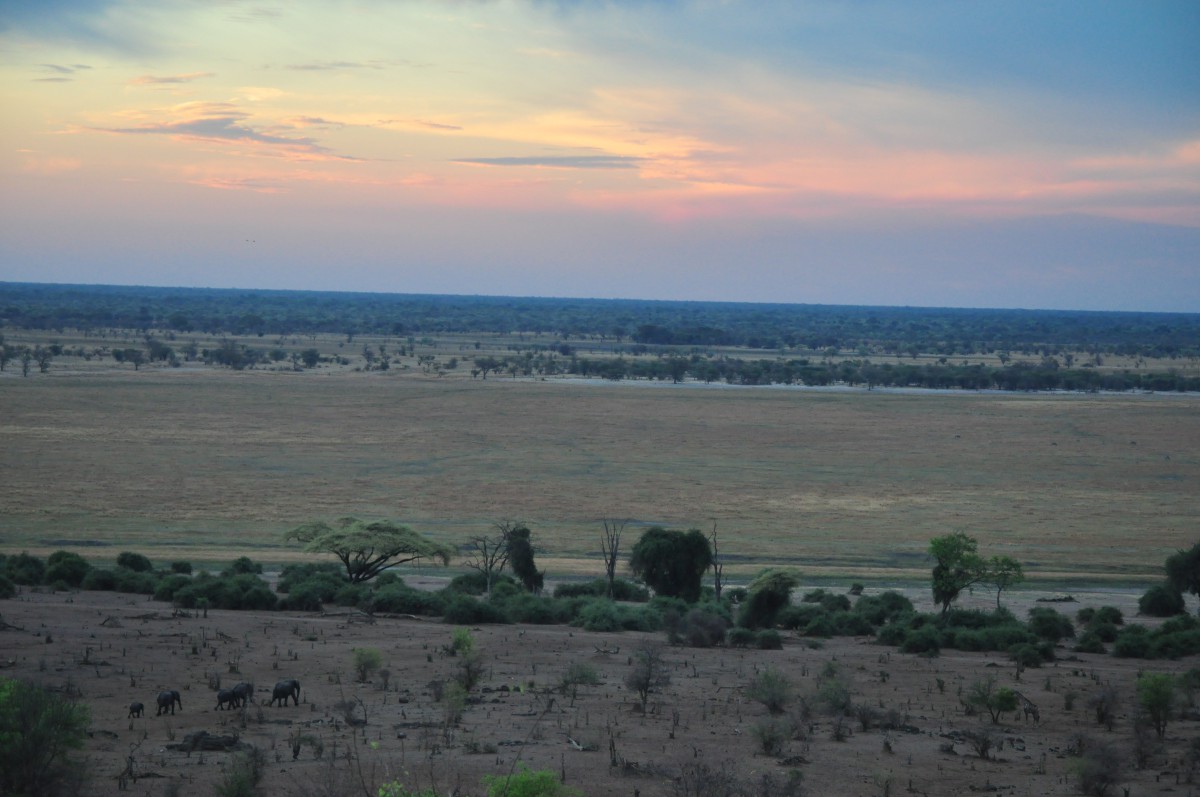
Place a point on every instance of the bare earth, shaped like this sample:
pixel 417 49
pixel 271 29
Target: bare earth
pixel 114 649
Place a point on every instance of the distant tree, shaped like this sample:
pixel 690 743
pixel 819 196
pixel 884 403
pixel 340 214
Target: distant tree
pixel 520 557
pixel 134 561
pixel 1004 572
pixel 718 567
pixel 6 355
pixel 984 695
pixel 1156 696
pixel 310 358
pixel 672 562
pixel 38 731
pixel 367 548
pixel 768 593
pixel 1183 570
pixel 1161 600
pixel 26 359
pixel 366 662
pixel 610 547
pixel 957 565
pixel 43 355
pixel 69 568
pixel 488 555
pixel 483 365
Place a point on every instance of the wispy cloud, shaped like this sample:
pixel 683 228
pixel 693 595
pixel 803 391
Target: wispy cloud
pixel 559 161
pixel 59 73
pixel 156 80
pixel 222 122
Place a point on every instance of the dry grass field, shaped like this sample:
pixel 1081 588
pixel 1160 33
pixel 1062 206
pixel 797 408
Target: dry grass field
pixel 202 464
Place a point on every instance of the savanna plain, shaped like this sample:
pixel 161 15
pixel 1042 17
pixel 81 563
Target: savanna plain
pixel 1089 492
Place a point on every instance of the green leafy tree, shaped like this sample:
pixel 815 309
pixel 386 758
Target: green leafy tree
pixel 310 358
pixel 984 695
pixel 1183 570
pixel 38 731
pixel 671 562
pixel 957 565
pixel 766 596
pixel 134 561
pixel 70 568
pixel 367 548
pixel 1156 696
pixel 366 662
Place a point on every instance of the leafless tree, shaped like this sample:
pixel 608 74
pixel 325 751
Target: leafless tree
pixel 488 554
pixel 649 674
pixel 718 567
pixel 610 546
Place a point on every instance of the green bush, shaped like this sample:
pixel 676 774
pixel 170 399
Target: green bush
pixel 623 590
pixel 701 627
pixel 1174 646
pixel 525 607
pixel 527 783
pixel 852 624
pixel 798 616
pixel 879 609
pixel 182 568
pixel 892 634
pixel 326 573
pixel 304 597
pixel 821 626
pixel 134 561
pixel 169 585
pixel 1161 601
pixel 768 639
pixel 7 588
pixel 138 582
pixel 1132 643
pixel 352 595
pixel 476 583
pixel 1109 614
pixel 25 569
pixel 1090 642
pixel 740 638
pixel 1105 632
pixel 100 580
pixel 465 610
pixel 1026 655
pixel 242 566
pixel 38 731
pixel 69 568
pixel 1050 625
pixel 925 640
pixel 401 599
pixel 245 591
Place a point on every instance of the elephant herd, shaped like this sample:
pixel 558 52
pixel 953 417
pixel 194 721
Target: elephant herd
pixel 238 696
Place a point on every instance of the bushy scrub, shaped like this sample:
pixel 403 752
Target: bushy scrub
pixel 308 596
pixel 476 583
pixel 66 567
pixel 1161 601
pixel 7 588
pixel 244 591
pixel 325 573
pixel 623 590
pixel 1050 625
pixel 701 627
pixel 401 599
pixel 168 585
pixel 466 610
pixel 100 579
pixel 134 561
pixel 528 608
pixel 528 783
pixel 25 569
pixel 882 608
pixel 138 582
pixel 600 614
pixel 741 638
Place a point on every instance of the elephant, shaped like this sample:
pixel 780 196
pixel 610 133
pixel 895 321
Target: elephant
pixel 167 701
pixel 227 698
pixel 136 709
pixel 285 689
pixel 244 693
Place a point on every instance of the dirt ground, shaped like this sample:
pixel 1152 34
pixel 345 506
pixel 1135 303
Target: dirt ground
pixel 113 649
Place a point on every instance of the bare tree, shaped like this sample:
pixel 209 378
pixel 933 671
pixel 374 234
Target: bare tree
pixel 610 546
pixel 650 673
pixel 718 567
pixel 488 554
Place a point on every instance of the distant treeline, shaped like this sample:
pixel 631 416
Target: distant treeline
pixel 1049 374
pixel 849 330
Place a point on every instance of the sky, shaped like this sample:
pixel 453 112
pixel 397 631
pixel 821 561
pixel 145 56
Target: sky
pixel 1040 154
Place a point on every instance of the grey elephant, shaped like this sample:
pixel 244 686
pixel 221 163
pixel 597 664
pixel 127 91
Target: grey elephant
pixel 167 701
pixel 285 689
pixel 244 693
pixel 227 699
pixel 136 709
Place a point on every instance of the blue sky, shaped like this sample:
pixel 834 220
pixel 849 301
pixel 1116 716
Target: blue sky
pixel 1007 154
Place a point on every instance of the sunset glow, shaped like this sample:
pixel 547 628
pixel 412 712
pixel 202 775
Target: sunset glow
pixel 845 153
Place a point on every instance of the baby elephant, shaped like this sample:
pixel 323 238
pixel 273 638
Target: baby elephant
pixel 227 699
pixel 167 701
pixel 285 689
pixel 136 709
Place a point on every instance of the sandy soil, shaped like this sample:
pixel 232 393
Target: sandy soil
pixel 113 649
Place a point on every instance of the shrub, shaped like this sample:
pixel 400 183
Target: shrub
pixel 69 568
pixel 879 609
pixel 464 610
pixel 100 579
pixel 852 624
pixel 307 596
pixel 796 617
pixel 401 599
pixel 242 566
pixel 924 640
pixel 772 735
pixel 1026 655
pixel 366 662
pixel 1161 601
pixel 332 575
pixel 168 585
pixel 1109 614
pixel 38 731
pixel 138 582
pixel 25 569
pixel 182 568
pixel 7 588
pixel 821 626
pixel 1156 696
pixel 768 640
pixel 1050 625
pixel 701 627
pixel 623 590
pixel 1132 643
pixel 527 783
pixel 1098 768
pixel 134 561
pixel 771 688
pixel 525 607
pixel 740 637
pixel 476 583
pixel 1105 632
pixel 893 634
pixel 1090 642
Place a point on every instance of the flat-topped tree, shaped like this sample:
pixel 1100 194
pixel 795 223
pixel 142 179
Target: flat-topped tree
pixel 368 547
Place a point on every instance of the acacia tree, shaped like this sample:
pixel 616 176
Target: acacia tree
pixel 1004 572
pixel 649 674
pixel 367 548
pixel 958 565
pixel 672 562
pixel 610 546
pixel 488 555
